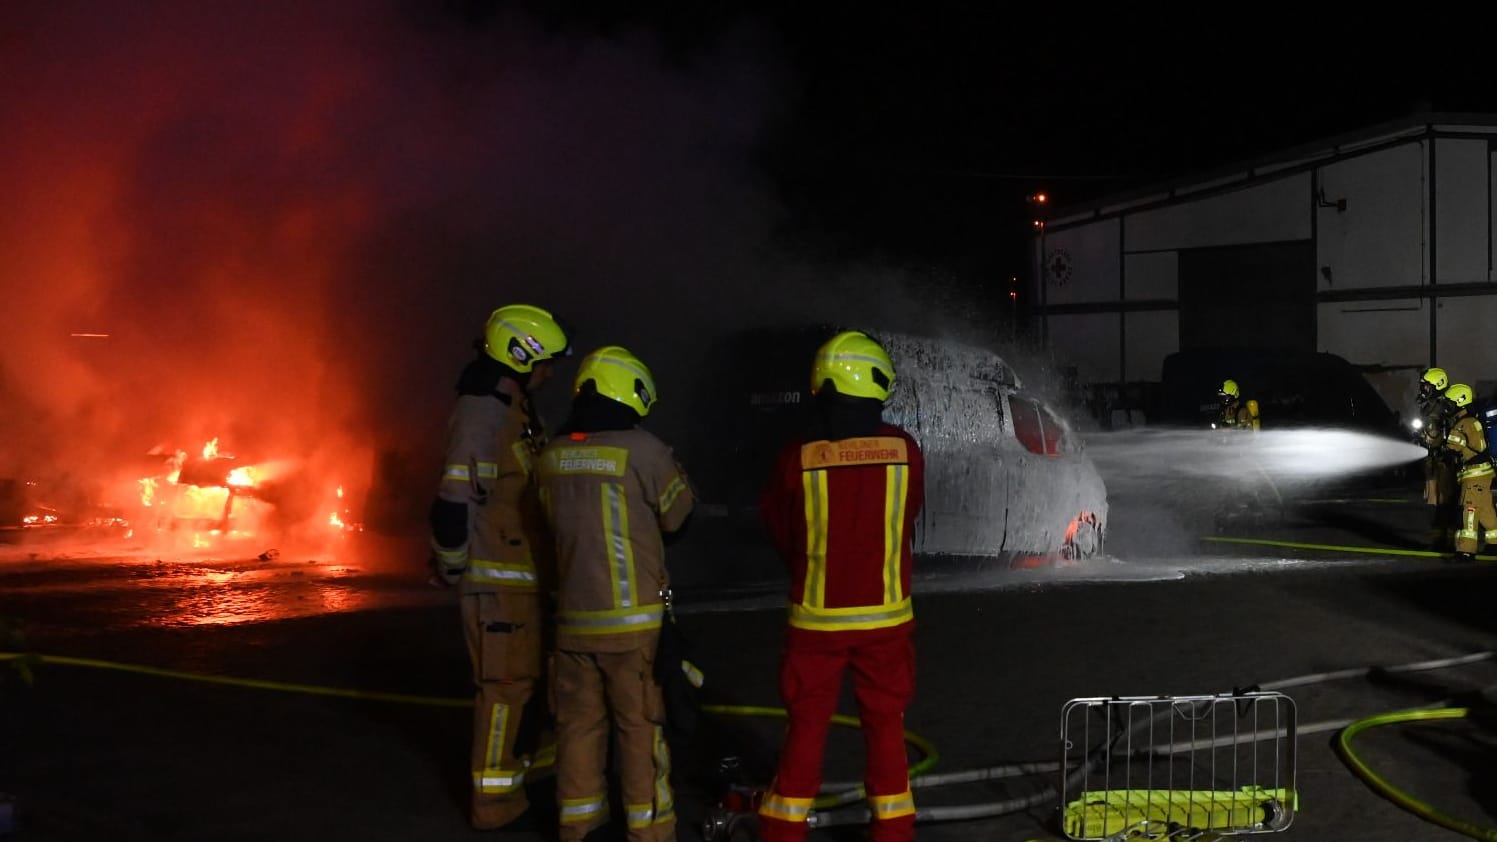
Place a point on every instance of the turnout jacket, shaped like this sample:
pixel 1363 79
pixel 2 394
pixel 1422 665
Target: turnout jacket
pixel 1242 416
pixel 842 516
pixel 491 445
pixel 1468 441
pixel 608 497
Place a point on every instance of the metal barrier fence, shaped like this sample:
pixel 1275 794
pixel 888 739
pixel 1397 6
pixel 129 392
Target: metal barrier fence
pixel 1177 767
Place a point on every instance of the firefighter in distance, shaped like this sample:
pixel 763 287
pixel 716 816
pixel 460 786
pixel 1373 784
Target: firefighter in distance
pixel 1236 413
pixel 1441 491
pixel 1467 439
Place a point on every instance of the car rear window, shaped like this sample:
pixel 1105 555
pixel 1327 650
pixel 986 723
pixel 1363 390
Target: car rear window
pixel 1036 428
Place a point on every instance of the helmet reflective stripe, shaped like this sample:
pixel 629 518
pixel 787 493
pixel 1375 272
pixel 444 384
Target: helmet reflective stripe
pixel 856 365
pixel 866 358
pixel 619 375
pixel 521 335
pixel 640 373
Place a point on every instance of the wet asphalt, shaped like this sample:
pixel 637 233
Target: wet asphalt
pixel 93 752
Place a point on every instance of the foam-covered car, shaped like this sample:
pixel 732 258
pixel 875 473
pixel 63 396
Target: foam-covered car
pixel 1008 482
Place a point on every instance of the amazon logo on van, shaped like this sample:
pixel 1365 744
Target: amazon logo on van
pixel 773 398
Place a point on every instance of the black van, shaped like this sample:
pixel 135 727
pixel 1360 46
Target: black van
pixel 1292 388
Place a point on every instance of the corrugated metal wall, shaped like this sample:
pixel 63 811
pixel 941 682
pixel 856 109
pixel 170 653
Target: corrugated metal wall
pixel 1396 263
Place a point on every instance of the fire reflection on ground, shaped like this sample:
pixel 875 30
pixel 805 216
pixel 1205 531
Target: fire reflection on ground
pixel 139 590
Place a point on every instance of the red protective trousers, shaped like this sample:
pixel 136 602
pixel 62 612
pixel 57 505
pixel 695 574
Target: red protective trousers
pixel 882 662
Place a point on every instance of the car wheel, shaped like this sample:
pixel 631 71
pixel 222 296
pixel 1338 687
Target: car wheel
pixel 1083 538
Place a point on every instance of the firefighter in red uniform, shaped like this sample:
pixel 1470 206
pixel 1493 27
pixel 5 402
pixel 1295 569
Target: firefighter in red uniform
pixel 840 508
pixel 614 497
pixel 484 524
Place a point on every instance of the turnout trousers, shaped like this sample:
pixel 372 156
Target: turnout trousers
pixel 1476 511
pixel 504 636
pixel 597 693
pixel 882 662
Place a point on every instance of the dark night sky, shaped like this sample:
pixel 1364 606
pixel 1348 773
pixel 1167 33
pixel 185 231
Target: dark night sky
pixel 916 129
pixel 936 118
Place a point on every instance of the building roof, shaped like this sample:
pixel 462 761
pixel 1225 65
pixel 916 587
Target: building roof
pixel 1242 174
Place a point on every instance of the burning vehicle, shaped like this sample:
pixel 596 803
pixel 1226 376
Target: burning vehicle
pixel 31 509
pixel 176 499
pixel 1008 482
pixel 212 495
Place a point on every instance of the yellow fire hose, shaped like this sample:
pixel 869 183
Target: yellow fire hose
pixel 925 747
pixel 1397 796
pixel 1335 548
pixel 928 751
pixel 929 755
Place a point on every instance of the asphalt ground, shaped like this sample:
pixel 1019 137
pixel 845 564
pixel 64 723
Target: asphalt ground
pixel 92 753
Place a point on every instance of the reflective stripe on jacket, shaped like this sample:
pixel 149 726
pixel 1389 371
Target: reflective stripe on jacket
pixel 608 496
pixel 842 514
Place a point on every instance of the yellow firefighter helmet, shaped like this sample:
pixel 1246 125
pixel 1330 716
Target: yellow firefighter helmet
pixel 521 335
pixel 1229 389
pixel 855 365
pixel 618 374
pixel 1459 394
pixel 1436 377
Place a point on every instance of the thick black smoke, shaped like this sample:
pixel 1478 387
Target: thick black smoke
pixel 292 219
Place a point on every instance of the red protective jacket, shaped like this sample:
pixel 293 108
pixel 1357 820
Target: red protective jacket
pixel 842 515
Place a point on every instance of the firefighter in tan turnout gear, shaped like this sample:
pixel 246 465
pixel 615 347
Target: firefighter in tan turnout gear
pixel 1436 414
pixel 484 524
pixel 1468 441
pixel 1236 413
pixel 613 494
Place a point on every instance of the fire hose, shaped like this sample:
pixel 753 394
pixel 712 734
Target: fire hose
pixel 1387 790
pixel 833 806
pixel 721 827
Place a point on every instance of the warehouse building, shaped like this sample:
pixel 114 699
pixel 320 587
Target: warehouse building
pixel 1375 247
